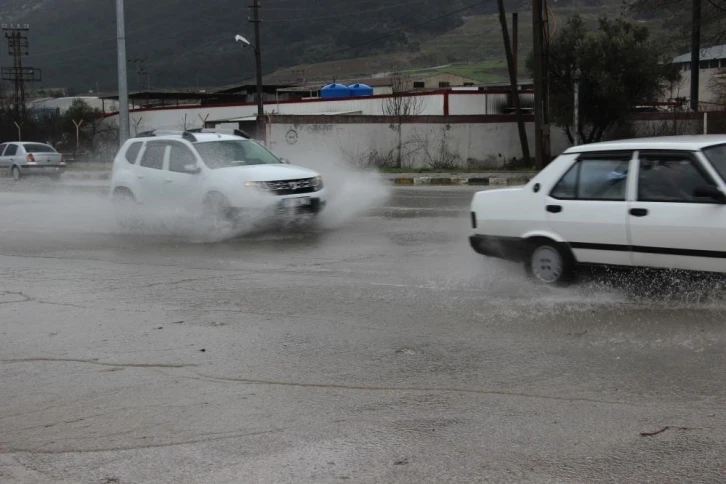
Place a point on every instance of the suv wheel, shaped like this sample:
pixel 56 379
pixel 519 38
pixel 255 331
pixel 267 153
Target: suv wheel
pixel 550 263
pixel 125 207
pixel 217 211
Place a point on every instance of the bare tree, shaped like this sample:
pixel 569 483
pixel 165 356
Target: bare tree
pixel 717 84
pixel 399 104
pixel 402 102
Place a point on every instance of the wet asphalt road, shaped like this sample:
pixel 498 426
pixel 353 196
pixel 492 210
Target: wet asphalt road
pixel 378 348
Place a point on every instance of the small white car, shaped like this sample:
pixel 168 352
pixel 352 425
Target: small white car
pixel 654 202
pixel 22 158
pixel 219 174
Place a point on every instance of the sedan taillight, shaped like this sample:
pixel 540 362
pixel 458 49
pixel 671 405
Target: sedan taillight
pixel 30 158
pixel 63 160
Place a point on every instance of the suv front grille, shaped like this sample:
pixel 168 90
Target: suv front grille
pixel 291 187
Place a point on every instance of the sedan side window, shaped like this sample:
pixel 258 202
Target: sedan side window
pixel 11 150
pixel 670 178
pixel 180 157
pixel 594 178
pixel 2 148
pixel 154 155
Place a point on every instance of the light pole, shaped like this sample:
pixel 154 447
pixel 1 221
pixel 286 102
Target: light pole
pixel 258 96
pixel 123 90
pixel 258 67
pixel 576 106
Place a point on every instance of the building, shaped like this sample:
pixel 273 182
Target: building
pixel 385 84
pixel 711 69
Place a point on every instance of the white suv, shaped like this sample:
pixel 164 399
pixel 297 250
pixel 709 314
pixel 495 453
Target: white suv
pixel 657 202
pixel 220 174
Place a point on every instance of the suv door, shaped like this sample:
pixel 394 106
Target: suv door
pixel 182 188
pixel 149 172
pixel 588 208
pixel 669 225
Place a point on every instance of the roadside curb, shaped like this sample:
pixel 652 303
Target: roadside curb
pixel 86 176
pixel 493 181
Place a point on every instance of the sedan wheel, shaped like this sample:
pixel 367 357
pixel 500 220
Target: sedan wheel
pixel 15 173
pixel 550 264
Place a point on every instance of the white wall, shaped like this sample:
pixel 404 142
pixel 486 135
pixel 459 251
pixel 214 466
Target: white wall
pixel 463 145
pixel 427 105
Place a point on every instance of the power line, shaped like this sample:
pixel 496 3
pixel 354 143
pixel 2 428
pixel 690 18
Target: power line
pixel 382 37
pixel 128 33
pixel 347 14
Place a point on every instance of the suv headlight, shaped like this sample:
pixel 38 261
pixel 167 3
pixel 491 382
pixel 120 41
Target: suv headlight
pixel 262 186
pixel 318 183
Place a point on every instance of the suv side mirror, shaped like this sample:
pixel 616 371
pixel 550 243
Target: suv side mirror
pixel 709 191
pixel 192 169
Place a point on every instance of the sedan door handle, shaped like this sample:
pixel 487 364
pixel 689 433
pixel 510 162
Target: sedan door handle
pixel 554 208
pixel 638 212
pixel 167 180
pixel 139 176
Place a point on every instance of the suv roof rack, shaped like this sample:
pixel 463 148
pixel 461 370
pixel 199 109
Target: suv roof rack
pixel 187 135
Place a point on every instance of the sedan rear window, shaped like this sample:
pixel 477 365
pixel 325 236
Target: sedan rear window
pixel 717 156
pixel 594 178
pixel 38 148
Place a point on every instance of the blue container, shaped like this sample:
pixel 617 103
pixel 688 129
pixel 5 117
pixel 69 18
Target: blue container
pixel 335 91
pixel 358 90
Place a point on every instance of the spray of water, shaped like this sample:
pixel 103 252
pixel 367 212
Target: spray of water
pixel 42 207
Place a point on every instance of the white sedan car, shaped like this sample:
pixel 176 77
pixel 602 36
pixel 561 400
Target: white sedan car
pixel 654 202
pixel 22 158
pixel 220 174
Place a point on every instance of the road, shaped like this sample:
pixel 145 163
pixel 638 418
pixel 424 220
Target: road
pixel 376 348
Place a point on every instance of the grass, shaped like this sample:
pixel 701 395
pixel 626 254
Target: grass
pixel 83 166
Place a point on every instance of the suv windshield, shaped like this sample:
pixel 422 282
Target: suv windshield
pixel 717 156
pixel 223 154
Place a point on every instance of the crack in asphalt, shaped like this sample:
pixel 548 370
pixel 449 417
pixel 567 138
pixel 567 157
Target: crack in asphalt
pixel 16 450
pixel 13 293
pixel 181 281
pixel 476 391
pixel 95 362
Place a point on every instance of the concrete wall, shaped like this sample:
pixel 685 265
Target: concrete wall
pixel 436 142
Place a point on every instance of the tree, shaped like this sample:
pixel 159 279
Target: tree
pixel 83 121
pixel 619 67
pixel 401 103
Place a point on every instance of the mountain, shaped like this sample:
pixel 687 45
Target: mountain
pixel 189 44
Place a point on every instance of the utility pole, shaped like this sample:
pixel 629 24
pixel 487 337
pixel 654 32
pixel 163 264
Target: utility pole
pixel 515 43
pixel 18 46
pixel 541 104
pixel 513 83
pixel 538 94
pixel 255 19
pixel 576 106
pixel 123 89
pixel 695 53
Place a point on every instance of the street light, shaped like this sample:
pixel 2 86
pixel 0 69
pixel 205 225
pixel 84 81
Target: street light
pixel 242 40
pixel 576 107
